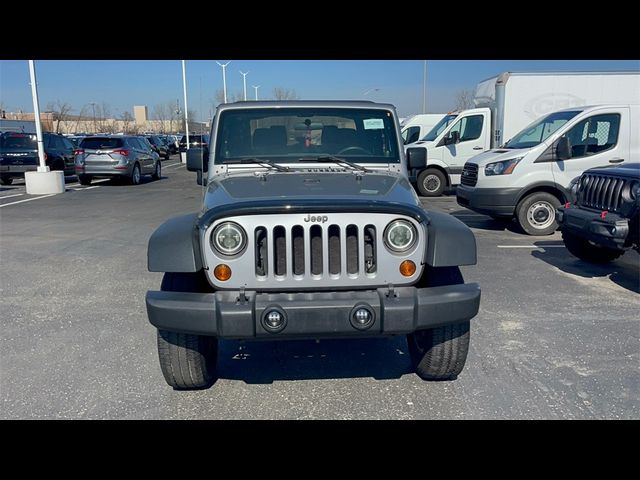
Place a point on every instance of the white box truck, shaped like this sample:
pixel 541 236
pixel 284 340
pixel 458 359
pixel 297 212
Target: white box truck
pixel 415 127
pixel 505 105
pixel 536 170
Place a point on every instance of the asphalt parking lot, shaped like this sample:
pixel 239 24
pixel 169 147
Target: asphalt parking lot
pixel 555 338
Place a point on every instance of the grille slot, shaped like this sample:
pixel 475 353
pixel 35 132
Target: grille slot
pixel 352 249
pixel 297 242
pixel 261 251
pixel 334 249
pixel 601 192
pixel 280 251
pixel 469 174
pixel 316 249
pixel 370 260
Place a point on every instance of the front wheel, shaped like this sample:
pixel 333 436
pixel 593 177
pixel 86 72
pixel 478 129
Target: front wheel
pixel 84 179
pixel 536 213
pixel 157 173
pixel 439 353
pixel 6 180
pixel 187 361
pixel 134 179
pixel 584 250
pixel 431 182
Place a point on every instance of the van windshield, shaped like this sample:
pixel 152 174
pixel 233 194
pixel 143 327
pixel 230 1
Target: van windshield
pixel 364 135
pixel 439 127
pixel 540 130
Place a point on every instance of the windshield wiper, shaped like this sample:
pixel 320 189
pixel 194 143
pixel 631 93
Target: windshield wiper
pixel 334 159
pixel 257 161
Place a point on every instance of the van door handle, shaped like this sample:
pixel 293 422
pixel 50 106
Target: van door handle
pixel 616 160
pixel 477 148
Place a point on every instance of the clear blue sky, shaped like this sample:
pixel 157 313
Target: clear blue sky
pixel 125 83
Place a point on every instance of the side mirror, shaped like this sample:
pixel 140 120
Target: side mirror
pixel 417 157
pixel 195 160
pixel 454 137
pixel 563 149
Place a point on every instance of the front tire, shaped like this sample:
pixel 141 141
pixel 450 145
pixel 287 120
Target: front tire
pixel 136 176
pixel 6 180
pixel 441 352
pixel 187 361
pixel 157 173
pixel 584 250
pixel 431 182
pixel 536 213
pixel 84 179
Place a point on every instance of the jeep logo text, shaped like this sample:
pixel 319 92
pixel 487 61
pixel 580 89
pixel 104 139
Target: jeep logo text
pixel 318 219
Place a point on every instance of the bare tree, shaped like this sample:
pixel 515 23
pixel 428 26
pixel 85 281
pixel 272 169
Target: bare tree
pixel 161 113
pixel 61 111
pixel 103 120
pixel 194 126
pixel 464 99
pixel 231 97
pixel 281 93
pixel 126 118
pixel 80 117
pixel 3 110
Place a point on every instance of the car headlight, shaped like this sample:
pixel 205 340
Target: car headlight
pixel 228 238
pixel 635 190
pixel 504 167
pixel 400 236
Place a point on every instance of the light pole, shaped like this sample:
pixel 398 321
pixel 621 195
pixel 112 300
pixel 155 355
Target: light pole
pixel 42 181
pixel 186 108
pixel 256 87
pixel 93 107
pixel 424 89
pixel 224 78
pixel 244 84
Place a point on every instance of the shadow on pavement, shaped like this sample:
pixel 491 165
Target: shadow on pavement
pixel 267 361
pixel 475 220
pixel 624 271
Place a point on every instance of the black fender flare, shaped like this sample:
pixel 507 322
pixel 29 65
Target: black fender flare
pixel 175 246
pixel 449 242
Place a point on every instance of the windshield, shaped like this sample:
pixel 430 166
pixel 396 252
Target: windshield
pixel 439 128
pixel 540 130
pixel 288 134
pixel 18 141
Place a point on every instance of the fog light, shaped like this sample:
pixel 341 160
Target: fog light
pixel 274 319
pixel 407 268
pixel 362 317
pixel 222 272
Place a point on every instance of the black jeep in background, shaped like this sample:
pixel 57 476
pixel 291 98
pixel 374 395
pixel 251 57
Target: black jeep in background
pixel 603 220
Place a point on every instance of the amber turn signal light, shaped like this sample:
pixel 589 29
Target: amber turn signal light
pixel 222 272
pixel 407 268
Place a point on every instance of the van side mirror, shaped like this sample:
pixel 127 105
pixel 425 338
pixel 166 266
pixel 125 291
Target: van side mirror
pixel 563 149
pixel 451 138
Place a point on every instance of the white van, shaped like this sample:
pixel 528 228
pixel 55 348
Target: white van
pixel 505 105
pixel 531 175
pixel 414 128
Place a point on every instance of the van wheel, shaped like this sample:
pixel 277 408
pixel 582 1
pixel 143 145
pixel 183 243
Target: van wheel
pixel 431 182
pixel 536 213
pixel 6 180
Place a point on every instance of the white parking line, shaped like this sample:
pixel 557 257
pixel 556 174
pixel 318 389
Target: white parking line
pixel 530 246
pixel 170 165
pixel 9 196
pixel 174 165
pixel 27 200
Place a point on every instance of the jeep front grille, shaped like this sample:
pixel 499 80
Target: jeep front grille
pixel 316 250
pixel 601 192
pixel 469 174
pixel 340 250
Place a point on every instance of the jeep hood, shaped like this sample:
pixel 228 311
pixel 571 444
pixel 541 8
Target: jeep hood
pixel 313 186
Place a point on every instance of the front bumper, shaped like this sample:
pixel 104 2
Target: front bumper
pixel 610 231
pixel 312 315
pixel 488 201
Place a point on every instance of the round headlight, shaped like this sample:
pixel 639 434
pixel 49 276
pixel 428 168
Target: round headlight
pixel 635 190
pixel 400 236
pixel 228 238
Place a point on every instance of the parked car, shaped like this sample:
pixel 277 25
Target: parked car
pixel 196 141
pixel 159 145
pixel 316 238
pixel 171 142
pixel 602 220
pixel 19 154
pixel 75 139
pixel 122 156
pixel 529 177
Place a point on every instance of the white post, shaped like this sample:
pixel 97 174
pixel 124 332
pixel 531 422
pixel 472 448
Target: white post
pixel 36 109
pixel 256 87
pixel 183 158
pixel 424 89
pixel 224 78
pixel 42 181
pixel 244 84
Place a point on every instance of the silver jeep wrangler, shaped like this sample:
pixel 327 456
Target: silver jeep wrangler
pixel 309 229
